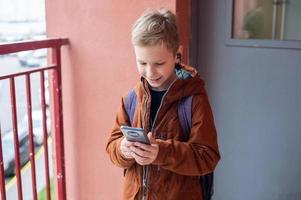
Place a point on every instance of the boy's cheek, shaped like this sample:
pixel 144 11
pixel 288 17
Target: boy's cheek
pixel 142 75
pixel 141 72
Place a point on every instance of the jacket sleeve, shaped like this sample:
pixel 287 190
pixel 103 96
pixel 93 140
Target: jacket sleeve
pixel 199 155
pixel 113 145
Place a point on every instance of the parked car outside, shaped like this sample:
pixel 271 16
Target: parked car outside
pixel 23 134
pixel 37 126
pixel 9 152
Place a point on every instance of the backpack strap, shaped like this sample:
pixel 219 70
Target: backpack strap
pixel 130 104
pixel 130 107
pixel 184 113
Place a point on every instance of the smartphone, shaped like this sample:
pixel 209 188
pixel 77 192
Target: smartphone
pixel 134 134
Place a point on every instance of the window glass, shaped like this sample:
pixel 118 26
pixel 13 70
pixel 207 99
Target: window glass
pixel 267 19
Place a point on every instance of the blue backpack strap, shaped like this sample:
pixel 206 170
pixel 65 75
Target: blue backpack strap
pixel 130 107
pixel 130 104
pixel 184 113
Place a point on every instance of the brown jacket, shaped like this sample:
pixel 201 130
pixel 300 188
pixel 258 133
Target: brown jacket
pixel 174 173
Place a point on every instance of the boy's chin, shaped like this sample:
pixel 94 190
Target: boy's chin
pixel 157 87
pixel 156 83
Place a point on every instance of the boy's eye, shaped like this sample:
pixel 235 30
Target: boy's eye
pixel 159 64
pixel 142 63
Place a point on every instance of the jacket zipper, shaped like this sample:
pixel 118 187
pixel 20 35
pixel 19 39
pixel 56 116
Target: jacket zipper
pixel 146 168
pixel 144 182
pixel 158 167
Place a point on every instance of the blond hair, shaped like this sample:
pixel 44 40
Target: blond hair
pixel 156 27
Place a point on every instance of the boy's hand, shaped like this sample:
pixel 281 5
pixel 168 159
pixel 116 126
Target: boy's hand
pixel 145 154
pixel 125 148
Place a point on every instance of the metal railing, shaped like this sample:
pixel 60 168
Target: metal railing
pixel 54 46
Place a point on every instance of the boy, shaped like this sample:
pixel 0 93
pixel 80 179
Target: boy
pixel 169 167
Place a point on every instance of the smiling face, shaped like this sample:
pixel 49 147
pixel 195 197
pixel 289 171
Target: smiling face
pixel 156 64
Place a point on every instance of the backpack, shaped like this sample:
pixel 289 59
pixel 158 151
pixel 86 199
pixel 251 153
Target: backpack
pixel 184 112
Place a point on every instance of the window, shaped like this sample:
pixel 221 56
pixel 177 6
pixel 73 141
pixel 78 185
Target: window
pixel 264 23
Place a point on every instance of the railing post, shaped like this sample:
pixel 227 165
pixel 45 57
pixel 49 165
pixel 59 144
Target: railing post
pixel 31 142
pixel 58 119
pixel 45 139
pixel 16 137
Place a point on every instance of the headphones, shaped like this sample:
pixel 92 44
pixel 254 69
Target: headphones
pixel 178 64
pixel 179 56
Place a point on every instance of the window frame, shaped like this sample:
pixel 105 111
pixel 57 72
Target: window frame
pixel 256 43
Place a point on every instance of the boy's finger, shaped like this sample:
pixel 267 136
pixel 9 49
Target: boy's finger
pixel 137 156
pixel 140 160
pixel 140 152
pixel 145 147
pixel 151 138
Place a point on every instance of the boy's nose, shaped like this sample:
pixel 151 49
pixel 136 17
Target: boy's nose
pixel 150 71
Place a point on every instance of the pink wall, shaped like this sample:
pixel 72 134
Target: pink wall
pixel 98 67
